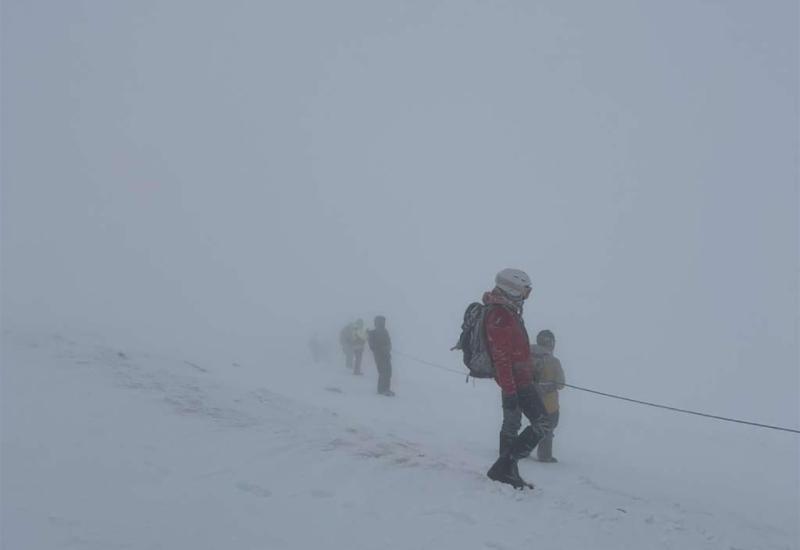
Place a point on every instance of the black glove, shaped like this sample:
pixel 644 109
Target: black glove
pixel 510 401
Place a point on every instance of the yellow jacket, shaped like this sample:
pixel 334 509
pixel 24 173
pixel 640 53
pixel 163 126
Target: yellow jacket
pixel 549 376
pixel 359 338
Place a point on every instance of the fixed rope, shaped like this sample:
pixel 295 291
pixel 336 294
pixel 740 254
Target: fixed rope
pixel 622 398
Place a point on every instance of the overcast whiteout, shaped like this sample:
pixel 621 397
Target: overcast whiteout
pixel 193 192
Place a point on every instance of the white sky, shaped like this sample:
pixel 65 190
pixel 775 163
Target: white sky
pixel 231 176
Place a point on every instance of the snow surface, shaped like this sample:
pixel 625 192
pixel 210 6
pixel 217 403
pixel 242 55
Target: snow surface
pixel 106 448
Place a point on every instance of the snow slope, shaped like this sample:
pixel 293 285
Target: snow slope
pixel 106 448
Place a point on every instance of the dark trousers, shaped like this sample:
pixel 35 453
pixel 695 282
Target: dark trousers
pixel 545 449
pixel 384 364
pixel 519 445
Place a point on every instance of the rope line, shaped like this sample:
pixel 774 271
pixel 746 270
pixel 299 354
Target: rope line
pixel 622 398
pixel 687 411
pixel 440 367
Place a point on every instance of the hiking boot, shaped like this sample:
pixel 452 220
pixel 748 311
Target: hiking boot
pixel 358 373
pixel 515 474
pixel 547 459
pixel 505 470
pixel 506 443
pixel 500 470
pixel 525 442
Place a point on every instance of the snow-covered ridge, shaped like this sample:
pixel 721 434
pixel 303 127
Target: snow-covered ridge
pixel 108 448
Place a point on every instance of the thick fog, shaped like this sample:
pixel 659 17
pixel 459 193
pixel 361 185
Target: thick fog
pixel 227 178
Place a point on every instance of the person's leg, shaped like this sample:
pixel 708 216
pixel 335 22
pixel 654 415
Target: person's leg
pixel 504 469
pixel 528 439
pixel 553 424
pixel 545 449
pixel 512 421
pixel 530 403
pixel 348 358
pixel 358 354
pixel 380 363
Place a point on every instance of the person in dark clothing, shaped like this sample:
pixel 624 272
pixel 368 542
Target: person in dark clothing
pixel 381 345
pixel 509 346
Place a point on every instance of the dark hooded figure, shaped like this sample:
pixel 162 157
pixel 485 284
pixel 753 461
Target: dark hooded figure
pixel 381 345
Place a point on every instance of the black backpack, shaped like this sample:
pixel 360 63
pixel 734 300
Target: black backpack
pixel 472 342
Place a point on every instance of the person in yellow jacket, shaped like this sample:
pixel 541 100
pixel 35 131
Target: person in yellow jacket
pixel 358 340
pixel 549 377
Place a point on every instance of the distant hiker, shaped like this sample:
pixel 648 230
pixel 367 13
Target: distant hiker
pixel 346 341
pixel 353 339
pixel 509 347
pixel 381 345
pixel 549 378
pixel 359 342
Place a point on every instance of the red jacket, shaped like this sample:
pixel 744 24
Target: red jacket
pixel 508 344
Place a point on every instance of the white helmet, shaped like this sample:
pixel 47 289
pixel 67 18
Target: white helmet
pixel 514 282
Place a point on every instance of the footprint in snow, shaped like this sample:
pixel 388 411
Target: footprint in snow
pixel 254 489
